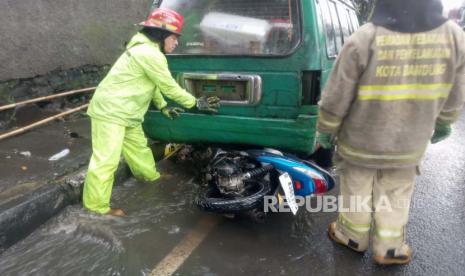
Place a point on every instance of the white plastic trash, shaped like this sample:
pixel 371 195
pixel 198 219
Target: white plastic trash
pixel 25 153
pixel 59 155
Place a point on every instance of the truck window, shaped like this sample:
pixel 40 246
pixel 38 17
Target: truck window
pixel 343 15
pixel 354 20
pixel 337 25
pixel 239 27
pixel 349 20
pixel 328 25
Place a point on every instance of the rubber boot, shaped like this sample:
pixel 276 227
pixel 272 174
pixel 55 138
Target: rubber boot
pixel 395 256
pixel 347 243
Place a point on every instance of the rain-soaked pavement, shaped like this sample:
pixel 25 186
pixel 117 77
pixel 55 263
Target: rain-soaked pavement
pixel 25 160
pixel 161 215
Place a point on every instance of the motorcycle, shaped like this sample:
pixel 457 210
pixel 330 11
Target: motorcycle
pixel 239 182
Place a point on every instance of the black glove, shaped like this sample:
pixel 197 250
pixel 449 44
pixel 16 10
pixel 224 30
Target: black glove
pixel 171 112
pixel 210 104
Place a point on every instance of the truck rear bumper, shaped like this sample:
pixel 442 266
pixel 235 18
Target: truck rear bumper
pixel 294 135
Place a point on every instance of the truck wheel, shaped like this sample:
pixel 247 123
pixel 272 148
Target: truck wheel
pixel 323 157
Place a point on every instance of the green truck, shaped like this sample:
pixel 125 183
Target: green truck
pixel 267 60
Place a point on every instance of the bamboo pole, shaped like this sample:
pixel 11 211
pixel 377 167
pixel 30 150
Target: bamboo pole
pixel 8 106
pixel 41 122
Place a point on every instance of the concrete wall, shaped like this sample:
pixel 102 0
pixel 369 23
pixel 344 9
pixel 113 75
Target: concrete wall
pixel 38 36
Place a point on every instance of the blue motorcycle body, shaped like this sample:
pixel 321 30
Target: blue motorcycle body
pixel 307 177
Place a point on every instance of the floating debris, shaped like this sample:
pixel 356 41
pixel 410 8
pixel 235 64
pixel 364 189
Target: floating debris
pixel 59 155
pixel 174 230
pixel 25 153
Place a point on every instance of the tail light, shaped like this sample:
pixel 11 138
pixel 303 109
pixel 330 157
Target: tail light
pixel 320 186
pixel 297 185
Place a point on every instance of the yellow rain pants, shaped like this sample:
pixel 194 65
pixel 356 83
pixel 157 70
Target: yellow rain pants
pixel 108 142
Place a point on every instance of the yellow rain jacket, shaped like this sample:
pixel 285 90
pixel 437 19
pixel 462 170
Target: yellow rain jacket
pixel 140 75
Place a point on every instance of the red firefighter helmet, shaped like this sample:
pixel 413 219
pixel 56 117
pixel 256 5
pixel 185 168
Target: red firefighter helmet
pixel 164 19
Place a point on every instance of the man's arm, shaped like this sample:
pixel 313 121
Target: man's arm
pixel 340 89
pixel 156 68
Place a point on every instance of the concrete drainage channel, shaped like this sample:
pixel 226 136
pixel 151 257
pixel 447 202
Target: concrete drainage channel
pixel 21 216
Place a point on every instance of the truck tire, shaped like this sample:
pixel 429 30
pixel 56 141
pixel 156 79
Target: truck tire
pixel 323 157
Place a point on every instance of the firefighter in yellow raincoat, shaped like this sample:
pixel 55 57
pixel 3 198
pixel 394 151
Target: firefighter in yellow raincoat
pixel 398 84
pixel 117 109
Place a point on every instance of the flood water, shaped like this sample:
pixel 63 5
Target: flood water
pixel 77 242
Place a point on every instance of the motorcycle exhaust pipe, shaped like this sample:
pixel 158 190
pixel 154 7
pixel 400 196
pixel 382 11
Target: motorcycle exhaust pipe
pixel 256 172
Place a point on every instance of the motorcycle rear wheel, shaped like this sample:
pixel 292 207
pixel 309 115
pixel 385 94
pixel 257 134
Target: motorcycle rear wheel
pixel 210 199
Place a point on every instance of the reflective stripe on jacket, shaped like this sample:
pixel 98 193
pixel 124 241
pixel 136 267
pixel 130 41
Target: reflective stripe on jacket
pixel 387 90
pixel 139 76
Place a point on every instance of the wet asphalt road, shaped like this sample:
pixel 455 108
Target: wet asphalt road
pixel 162 214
